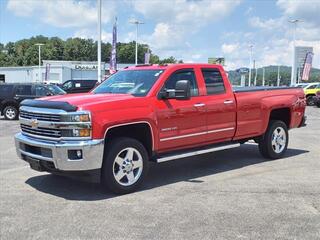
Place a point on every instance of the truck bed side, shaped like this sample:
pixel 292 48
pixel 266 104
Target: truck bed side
pixel 255 107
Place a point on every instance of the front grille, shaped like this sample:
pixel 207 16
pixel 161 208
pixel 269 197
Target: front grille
pixel 40 131
pixel 40 116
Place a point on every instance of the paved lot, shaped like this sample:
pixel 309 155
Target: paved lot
pixel 233 194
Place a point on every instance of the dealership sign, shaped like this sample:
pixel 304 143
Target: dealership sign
pixel 85 67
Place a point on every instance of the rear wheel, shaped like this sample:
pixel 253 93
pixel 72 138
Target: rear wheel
pixel 273 144
pixel 125 165
pixel 10 113
pixel 310 101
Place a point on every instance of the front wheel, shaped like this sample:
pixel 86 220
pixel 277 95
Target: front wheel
pixel 124 166
pixel 10 113
pixel 273 144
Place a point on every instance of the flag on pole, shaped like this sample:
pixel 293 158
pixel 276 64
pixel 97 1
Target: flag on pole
pixel 147 57
pixel 113 59
pixel 307 67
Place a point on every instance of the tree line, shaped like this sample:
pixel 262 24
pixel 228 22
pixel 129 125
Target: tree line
pixel 25 53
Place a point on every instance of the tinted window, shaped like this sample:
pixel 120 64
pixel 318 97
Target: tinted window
pixel 67 85
pixel 213 81
pixel 5 90
pixel 23 90
pixel 41 91
pixel 186 74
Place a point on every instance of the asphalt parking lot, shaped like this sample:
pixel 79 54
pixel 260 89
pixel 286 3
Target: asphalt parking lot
pixel 234 194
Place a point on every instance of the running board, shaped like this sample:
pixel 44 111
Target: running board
pixel 197 152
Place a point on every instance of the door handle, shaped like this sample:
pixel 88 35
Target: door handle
pixel 228 102
pixel 199 105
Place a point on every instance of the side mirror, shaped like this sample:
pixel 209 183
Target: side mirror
pixel 182 90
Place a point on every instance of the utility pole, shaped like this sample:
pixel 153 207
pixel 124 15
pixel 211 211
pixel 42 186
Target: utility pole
pixel 136 22
pixel 99 40
pixel 256 72
pixel 278 78
pixel 250 65
pixel 293 70
pixel 39 68
pixel 263 73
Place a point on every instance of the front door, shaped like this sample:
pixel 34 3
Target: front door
pixel 182 123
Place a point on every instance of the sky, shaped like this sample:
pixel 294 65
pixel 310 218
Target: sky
pixel 191 30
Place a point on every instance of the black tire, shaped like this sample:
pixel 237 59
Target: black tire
pixel 310 101
pixel 10 113
pixel 114 148
pixel 267 147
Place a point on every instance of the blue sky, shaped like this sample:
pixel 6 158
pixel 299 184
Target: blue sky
pixel 192 30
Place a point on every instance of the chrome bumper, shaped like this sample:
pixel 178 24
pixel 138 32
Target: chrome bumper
pixel 57 152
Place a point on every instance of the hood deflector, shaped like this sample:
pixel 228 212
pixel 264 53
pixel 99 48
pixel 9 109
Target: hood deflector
pixel 49 104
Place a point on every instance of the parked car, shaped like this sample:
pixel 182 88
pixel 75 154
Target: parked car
pixel 317 99
pixel 310 92
pixel 154 113
pixel 11 96
pixel 78 86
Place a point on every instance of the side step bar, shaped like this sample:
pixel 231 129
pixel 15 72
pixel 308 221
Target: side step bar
pixel 197 152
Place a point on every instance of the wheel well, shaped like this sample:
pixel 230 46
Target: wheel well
pixel 8 103
pixel 139 131
pixel 282 114
pixel 310 95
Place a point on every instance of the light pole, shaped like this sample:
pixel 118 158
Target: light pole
pixel 293 70
pixel 136 22
pixel 99 40
pixel 263 73
pixel 39 68
pixel 278 77
pixel 251 46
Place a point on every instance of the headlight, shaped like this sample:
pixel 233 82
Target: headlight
pixel 81 132
pixel 83 117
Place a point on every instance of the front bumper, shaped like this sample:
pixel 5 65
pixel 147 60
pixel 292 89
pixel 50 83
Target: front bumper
pixel 55 154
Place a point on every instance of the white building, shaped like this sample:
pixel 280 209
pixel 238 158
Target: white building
pixel 55 71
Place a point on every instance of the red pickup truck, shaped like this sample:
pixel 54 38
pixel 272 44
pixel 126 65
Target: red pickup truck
pixel 153 113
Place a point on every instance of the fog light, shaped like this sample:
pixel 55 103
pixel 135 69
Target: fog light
pixel 79 153
pixel 75 154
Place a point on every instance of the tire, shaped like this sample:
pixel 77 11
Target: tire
pixel 310 101
pixel 273 144
pixel 10 113
pixel 128 159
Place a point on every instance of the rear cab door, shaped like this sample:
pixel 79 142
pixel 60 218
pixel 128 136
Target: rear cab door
pixel 220 104
pixel 22 92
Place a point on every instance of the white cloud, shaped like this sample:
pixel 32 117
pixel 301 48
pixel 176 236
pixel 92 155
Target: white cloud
pixel 61 13
pixel 177 20
pixel 229 48
pixel 269 24
pixel 89 33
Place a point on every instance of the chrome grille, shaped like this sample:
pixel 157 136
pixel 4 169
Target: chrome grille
pixel 41 132
pixel 40 116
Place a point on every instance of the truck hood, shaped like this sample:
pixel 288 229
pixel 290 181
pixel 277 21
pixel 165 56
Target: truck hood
pixel 88 100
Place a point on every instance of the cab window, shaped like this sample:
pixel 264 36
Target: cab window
pixel 42 91
pixel 213 80
pixel 185 74
pixel 23 90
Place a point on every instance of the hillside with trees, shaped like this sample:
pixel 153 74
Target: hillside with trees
pixel 25 53
pixel 271 75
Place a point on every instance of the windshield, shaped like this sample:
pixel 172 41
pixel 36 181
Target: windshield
pixel 135 82
pixel 55 90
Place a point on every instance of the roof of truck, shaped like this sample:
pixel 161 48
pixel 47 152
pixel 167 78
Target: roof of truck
pixel 171 65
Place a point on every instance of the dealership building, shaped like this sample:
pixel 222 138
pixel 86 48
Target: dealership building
pixel 55 71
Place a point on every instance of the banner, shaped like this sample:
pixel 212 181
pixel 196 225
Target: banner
pixel 113 59
pixel 147 57
pixel 307 67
